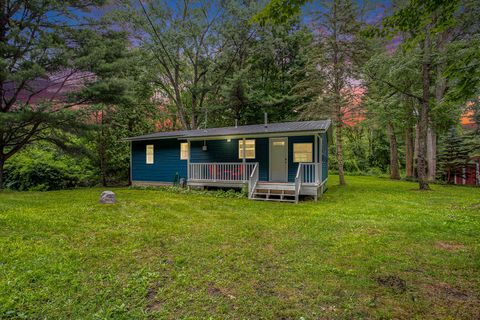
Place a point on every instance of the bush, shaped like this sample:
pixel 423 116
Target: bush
pixel 217 193
pixel 42 170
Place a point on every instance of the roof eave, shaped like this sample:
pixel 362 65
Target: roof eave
pixel 257 135
pixel 151 138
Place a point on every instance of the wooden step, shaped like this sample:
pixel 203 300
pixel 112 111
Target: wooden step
pixel 274 199
pixel 276 186
pixel 274 195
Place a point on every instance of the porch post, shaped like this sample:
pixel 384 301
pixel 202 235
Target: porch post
pixel 130 178
pixel 320 155
pixel 188 161
pixel 244 161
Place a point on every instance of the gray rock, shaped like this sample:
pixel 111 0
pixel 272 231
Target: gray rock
pixel 108 197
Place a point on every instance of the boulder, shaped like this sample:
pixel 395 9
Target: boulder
pixel 108 197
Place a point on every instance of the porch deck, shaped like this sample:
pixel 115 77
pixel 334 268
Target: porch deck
pixel 308 180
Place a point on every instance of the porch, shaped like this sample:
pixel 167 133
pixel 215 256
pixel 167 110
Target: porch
pixel 308 180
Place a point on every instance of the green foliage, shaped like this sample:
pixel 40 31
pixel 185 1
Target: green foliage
pixel 417 19
pixel 463 59
pixel 46 48
pixel 263 80
pixel 279 11
pixel 454 154
pixel 44 168
pixel 216 193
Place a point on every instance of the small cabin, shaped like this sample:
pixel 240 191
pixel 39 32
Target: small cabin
pixel 275 161
pixel 467 173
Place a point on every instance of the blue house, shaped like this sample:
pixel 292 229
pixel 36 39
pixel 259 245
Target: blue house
pixel 276 161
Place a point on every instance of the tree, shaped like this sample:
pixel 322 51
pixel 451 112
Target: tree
pixel 181 41
pixel 342 51
pixel 454 155
pixel 122 105
pixel 419 22
pixel 389 76
pixel 263 80
pixel 38 54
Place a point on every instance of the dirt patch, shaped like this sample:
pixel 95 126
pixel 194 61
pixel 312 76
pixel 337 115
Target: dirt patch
pixel 452 302
pixel 450 246
pixel 395 283
pixel 264 288
pixel 152 303
pixel 473 206
pixel 214 290
pixel 444 291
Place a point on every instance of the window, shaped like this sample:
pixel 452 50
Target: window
pixel 249 149
pixel 149 152
pixel 302 152
pixel 184 151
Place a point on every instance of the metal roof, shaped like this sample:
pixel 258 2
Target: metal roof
pixel 281 127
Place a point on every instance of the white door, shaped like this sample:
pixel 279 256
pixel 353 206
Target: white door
pixel 278 159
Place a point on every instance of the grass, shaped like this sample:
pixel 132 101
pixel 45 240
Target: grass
pixel 373 249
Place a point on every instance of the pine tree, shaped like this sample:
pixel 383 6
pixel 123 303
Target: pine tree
pixel 339 52
pixel 454 154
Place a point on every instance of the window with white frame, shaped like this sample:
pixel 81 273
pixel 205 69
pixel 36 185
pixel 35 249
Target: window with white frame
pixel 149 153
pixel 249 149
pixel 302 152
pixel 184 151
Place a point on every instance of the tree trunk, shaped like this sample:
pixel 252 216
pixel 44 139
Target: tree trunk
pixel 431 154
pixel 415 152
pixel 423 117
pixel 440 88
pixel 339 152
pixel 394 170
pixel 337 90
pixel 102 152
pixel 103 168
pixel 409 171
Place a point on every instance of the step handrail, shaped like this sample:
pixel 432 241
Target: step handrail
pixel 298 181
pixel 253 181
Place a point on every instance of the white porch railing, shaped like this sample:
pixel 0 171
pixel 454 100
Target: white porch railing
pixel 253 181
pixel 307 173
pixel 220 172
pixel 311 172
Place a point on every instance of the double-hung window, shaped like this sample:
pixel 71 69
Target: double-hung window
pixel 249 149
pixel 149 153
pixel 184 151
pixel 302 152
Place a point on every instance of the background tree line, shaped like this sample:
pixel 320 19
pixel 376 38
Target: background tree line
pixel 77 77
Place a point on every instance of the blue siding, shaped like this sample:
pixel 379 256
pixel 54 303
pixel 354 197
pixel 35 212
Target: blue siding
pixel 293 166
pixel 166 161
pixel 224 151
pixel 167 157
pixel 324 156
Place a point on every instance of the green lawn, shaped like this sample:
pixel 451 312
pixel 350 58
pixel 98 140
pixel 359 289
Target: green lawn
pixel 372 249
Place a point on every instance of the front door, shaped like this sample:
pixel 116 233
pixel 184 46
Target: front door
pixel 278 159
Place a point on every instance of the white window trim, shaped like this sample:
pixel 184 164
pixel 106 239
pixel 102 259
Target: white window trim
pixel 311 153
pixel 149 159
pixel 182 157
pixel 240 148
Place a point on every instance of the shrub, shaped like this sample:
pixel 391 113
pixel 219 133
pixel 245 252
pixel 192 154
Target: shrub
pixel 41 170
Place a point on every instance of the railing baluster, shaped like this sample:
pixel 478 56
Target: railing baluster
pixel 227 171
